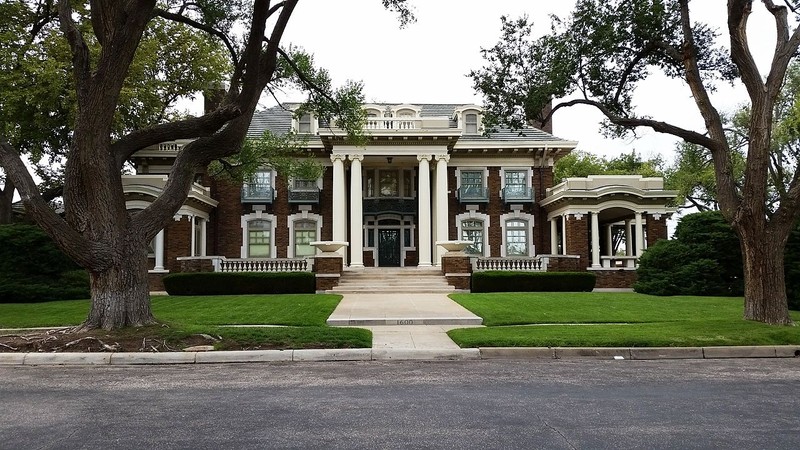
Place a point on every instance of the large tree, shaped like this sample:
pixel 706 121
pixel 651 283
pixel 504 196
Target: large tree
pixel 601 54
pixel 96 231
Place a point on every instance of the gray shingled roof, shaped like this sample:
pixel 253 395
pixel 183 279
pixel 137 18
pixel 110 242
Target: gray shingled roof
pixel 278 119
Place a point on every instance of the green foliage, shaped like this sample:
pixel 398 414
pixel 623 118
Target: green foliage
pixel 500 281
pixel 704 258
pixel 33 269
pixel 239 283
pixel 582 164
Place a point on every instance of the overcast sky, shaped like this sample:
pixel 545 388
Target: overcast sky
pixel 427 62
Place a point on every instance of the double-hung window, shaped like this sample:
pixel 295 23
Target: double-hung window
pixel 304 124
pixel 471 124
pixel 259 238
pixel 517 237
pixel 472 230
pixel 305 232
pixel 516 185
pixel 472 185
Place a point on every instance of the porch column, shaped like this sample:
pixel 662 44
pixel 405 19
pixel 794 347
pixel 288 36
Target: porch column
pixel 442 218
pixel 595 240
pixel 554 236
pixel 192 236
pixel 339 211
pixel 628 238
pixel 609 241
pixel 356 213
pixel 639 235
pixel 424 199
pixel 159 249
pixel 564 234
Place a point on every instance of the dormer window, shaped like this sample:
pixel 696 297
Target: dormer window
pixel 406 113
pixel 471 123
pixel 304 124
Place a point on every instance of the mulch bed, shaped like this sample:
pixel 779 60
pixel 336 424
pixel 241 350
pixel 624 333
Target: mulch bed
pixel 138 340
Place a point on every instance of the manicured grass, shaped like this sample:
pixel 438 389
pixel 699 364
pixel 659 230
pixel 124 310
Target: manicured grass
pixel 303 314
pixel 613 320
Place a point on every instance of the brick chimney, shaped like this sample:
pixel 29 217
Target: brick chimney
pixel 545 111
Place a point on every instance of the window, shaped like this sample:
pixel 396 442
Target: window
pixel 471 123
pixel 516 184
pixel 472 184
pixel 517 238
pixel 472 230
pixel 151 248
pixel 305 232
pixel 299 184
pixel 304 124
pixel 260 184
pixel 407 184
pixel 259 238
pixel 389 183
pixel 198 237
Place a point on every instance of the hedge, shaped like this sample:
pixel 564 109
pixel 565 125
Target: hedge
pixel 71 285
pixel 238 283
pixel 500 281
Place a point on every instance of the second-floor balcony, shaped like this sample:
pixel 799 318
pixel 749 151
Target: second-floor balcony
pixel 473 194
pixel 392 123
pixel 304 195
pixel 517 193
pixel 257 193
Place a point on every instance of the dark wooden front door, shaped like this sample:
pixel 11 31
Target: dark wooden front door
pixel 389 248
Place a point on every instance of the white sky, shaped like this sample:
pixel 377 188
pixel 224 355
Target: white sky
pixel 427 62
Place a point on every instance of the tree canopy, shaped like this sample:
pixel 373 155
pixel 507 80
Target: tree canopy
pixel 583 164
pixel 604 50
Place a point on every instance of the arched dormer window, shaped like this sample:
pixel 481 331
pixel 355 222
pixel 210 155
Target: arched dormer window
pixel 471 123
pixel 305 124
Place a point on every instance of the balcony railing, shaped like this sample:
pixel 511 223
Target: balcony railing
pixel 392 123
pixel 473 194
pixel 257 193
pixel 263 265
pixel 517 194
pixel 614 262
pixel 304 195
pixel 390 205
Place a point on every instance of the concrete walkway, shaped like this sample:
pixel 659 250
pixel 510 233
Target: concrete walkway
pixel 404 321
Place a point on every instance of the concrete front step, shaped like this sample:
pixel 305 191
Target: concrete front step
pixel 369 322
pixel 392 280
pixel 374 290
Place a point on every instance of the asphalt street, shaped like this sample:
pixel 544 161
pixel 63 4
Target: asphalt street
pixel 553 404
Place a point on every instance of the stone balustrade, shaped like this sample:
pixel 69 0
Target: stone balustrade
pixel 534 264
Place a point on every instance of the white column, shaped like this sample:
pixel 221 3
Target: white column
pixel 564 234
pixel 609 241
pixel 442 217
pixel 628 238
pixel 595 240
pixel 424 219
pixel 159 251
pixel 356 213
pixel 193 237
pixel 339 211
pixel 554 236
pixel 639 234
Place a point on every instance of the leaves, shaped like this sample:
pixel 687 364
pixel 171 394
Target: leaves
pixel 582 164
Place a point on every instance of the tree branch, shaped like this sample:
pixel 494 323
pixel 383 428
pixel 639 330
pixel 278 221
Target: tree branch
pixel 90 255
pixel 201 126
pixel 200 26
pixel 78 47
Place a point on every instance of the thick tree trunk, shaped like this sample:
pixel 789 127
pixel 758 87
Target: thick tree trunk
pixel 764 281
pixel 120 295
pixel 6 202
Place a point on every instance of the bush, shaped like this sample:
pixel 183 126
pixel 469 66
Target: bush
pixel 497 281
pixel 33 269
pixel 238 283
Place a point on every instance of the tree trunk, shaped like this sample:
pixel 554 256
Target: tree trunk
pixel 764 281
pixel 120 295
pixel 6 201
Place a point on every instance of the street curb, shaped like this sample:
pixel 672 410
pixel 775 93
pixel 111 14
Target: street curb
pixel 395 354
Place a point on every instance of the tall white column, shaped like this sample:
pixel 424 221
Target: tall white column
pixel 609 240
pixel 159 248
pixel 192 236
pixel 554 236
pixel 424 219
pixel 595 240
pixel 442 217
pixel 639 234
pixel 339 210
pixel 356 213
pixel 628 238
pixel 564 234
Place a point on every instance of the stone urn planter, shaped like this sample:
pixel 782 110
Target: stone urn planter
pixel 329 247
pixel 454 248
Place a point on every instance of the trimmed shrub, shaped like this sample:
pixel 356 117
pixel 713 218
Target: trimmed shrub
pixel 501 281
pixel 33 269
pixel 239 283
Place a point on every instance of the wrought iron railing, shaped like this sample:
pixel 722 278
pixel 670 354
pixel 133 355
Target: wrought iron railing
pixel 304 195
pixel 473 194
pixel 517 194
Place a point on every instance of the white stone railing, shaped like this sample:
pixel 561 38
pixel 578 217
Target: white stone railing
pixel 613 262
pixel 169 147
pixel 392 123
pixel 263 264
pixel 535 264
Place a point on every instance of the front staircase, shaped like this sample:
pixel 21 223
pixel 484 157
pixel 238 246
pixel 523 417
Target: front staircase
pixel 393 280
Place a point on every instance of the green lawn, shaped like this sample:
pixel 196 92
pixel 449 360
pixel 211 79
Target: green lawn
pixel 304 315
pixel 613 319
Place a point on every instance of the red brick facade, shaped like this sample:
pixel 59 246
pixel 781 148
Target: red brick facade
pixel 577 238
pixel 656 229
pixel 457 270
pixel 616 279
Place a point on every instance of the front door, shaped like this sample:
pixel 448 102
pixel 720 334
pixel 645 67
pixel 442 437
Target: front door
pixel 389 248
